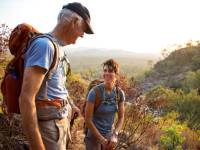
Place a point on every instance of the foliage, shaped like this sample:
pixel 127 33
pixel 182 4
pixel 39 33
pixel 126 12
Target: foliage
pixel 191 81
pixel 4 55
pixel 139 129
pixel 157 97
pixel 172 138
pixel 196 62
pixel 177 135
pixel 77 87
pixel 186 104
pixel 172 70
pixel 4 37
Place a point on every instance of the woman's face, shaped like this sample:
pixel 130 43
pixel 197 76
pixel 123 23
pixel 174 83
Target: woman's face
pixel 109 75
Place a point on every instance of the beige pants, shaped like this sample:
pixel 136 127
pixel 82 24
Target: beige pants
pixel 55 133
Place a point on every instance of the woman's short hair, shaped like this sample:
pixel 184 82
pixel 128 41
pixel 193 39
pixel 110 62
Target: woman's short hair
pixel 111 63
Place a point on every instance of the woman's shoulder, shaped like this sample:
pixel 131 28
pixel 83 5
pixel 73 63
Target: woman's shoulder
pixel 122 94
pixel 120 89
pixel 99 87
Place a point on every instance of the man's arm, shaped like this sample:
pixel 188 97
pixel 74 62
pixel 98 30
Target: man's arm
pixel 32 80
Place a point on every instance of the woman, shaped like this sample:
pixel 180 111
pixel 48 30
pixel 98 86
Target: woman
pixel 101 133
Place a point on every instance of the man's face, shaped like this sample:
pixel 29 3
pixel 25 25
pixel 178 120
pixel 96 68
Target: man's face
pixel 78 29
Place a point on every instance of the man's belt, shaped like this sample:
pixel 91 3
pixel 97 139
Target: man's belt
pixel 59 103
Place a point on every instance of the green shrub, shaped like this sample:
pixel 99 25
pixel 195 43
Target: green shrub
pixel 172 138
pixel 187 105
pixel 191 81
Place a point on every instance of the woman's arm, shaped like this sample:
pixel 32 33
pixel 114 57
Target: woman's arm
pixel 89 110
pixel 120 120
pixel 114 139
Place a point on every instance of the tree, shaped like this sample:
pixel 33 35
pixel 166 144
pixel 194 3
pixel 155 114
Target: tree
pixel 150 63
pixel 4 37
pixel 189 43
pixel 165 52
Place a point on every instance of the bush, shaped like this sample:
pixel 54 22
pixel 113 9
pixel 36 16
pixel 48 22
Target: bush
pixel 139 130
pixel 177 135
pixel 77 87
pixel 172 138
pixel 157 97
pixel 186 104
pixel 191 81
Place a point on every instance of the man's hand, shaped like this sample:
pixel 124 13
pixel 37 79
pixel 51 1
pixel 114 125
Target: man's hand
pixel 76 111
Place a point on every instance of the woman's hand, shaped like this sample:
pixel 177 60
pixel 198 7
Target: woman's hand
pixel 104 143
pixel 113 142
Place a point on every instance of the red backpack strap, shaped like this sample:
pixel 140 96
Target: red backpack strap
pixel 54 64
pixel 56 53
pixel 55 58
pixel 97 98
pixel 117 89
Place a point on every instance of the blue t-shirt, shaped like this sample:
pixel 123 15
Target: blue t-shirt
pixel 41 53
pixel 103 116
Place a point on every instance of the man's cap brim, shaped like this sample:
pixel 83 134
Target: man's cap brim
pixel 89 29
pixel 83 12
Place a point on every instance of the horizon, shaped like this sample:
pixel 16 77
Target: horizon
pixel 72 49
pixel 136 26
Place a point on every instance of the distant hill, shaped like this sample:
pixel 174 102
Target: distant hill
pixel 172 70
pixel 131 63
pixel 109 53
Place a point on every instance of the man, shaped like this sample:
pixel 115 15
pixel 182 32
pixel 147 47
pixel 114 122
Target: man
pixel 44 103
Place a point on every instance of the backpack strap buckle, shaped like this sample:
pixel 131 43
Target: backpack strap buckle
pixel 59 103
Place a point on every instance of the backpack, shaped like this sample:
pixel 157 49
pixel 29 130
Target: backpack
pixel 19 41
pixel 93 84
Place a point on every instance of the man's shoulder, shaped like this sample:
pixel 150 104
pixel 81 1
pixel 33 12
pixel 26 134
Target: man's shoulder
pixel 39 53
pixel 43 41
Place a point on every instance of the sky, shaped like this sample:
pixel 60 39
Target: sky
pixel 142 26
